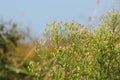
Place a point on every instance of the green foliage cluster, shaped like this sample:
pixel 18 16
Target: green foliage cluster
pixel 72 52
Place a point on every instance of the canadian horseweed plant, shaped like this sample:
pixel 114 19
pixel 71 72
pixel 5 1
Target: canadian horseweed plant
pixel 70 51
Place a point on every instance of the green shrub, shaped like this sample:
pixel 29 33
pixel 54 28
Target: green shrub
pixel 72 52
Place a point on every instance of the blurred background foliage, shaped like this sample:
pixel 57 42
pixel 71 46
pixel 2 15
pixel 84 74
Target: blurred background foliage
pixel 16 49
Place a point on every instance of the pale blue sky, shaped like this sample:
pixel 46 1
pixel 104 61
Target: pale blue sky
pixel 39 12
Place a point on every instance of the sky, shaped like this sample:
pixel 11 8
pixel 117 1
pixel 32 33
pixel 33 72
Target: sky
pixel 37 13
